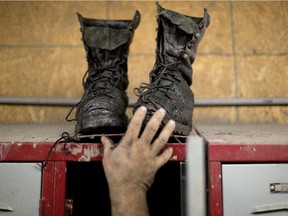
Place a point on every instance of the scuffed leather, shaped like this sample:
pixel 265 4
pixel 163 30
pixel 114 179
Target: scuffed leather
pixel 178 38
pixel 104 101
pixel 106 38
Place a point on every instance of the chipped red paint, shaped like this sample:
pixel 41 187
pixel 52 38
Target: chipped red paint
pixel 215 188
pixel 29 151
pixel 59 188
pixel 24 151
pixel 252 153
pixel 46 207
pixel 94 152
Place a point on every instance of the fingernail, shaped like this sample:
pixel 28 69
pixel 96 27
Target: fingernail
pixel 143 108
pixel 172 122
pixel 162 111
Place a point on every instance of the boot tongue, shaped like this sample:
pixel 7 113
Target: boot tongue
pixel 185 23
pixel 175 41
pixel 173 49
pixel 106 38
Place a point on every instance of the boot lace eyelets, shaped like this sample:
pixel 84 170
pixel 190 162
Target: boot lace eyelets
pixel 189 45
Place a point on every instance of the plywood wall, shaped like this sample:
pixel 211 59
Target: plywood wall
pixel 244 54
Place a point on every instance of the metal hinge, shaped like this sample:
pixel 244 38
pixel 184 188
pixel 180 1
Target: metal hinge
pixel 68 207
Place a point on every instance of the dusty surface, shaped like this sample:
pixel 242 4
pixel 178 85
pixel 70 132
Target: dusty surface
pixel 245 133
pixel 216 133
pixel 33 132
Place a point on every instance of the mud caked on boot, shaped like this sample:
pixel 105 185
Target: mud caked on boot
pixel 104 102
pixel 178 37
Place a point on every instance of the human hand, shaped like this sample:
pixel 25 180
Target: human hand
pixel 135 160
pixel 130 168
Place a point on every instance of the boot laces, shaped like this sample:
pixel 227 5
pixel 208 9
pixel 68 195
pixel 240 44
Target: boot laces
pixel 163 72
pixel 103 80
pixel 108 76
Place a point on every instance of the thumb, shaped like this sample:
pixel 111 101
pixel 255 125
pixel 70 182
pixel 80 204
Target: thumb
pixel 107 144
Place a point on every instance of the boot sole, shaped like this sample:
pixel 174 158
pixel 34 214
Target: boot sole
pixel 102 125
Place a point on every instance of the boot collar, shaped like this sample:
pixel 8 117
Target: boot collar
pixel 186 23
pixel 135 21
pixel 97 33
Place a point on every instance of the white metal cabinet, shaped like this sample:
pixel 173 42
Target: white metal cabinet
pixel 20 189
pixel 248 189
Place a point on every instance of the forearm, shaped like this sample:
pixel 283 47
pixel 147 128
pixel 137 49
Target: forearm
pixel 128 202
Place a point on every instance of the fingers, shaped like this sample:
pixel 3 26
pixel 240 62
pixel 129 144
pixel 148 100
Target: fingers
pixel 152 126
pixel 164 157
pixel 163 137
pixel 107 143
pixel 135 125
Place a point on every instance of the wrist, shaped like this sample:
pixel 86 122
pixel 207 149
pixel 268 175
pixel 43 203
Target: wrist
pixel 126 190
pixel 123 197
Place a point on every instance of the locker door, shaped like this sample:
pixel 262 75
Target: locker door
pixel 248 189
pixel 20 189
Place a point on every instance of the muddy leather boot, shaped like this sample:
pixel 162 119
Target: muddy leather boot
pixel 178 38
pixel 104 102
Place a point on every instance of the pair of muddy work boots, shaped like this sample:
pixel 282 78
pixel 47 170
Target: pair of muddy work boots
pixel 104 102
